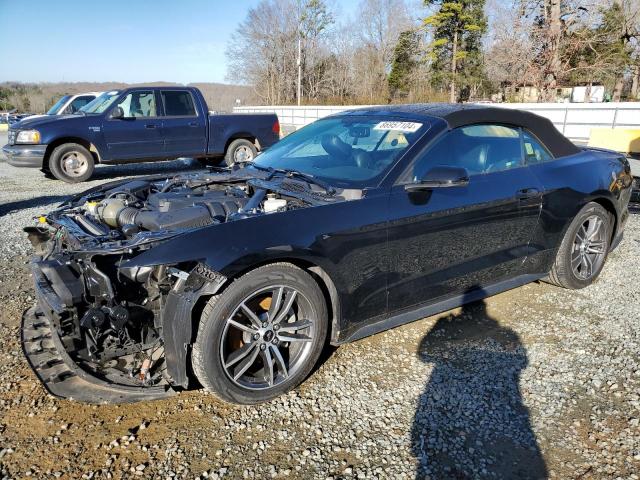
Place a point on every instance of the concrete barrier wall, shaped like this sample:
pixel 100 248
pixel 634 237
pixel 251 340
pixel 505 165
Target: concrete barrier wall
pixel 574 120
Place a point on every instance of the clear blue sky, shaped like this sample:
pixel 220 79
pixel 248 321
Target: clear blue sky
pixel 119 40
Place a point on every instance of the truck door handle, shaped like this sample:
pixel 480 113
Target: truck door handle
pixel 150 125
pixel 526 193
pixel 193 124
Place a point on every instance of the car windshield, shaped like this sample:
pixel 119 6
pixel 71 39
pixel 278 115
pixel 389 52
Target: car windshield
pixel 56 106
pixel 101 103
pixel 346 151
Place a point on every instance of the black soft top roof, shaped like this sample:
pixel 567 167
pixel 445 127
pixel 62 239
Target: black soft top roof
pixel 459 115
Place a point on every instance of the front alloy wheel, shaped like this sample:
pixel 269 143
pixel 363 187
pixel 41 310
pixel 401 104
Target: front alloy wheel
pixel 262 336
pixel 267 338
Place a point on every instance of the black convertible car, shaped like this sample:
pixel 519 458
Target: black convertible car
pixel 360 222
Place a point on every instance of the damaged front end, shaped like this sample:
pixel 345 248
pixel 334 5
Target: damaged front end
pixel 105 332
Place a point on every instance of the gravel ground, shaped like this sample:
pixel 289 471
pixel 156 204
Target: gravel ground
pixel 536 382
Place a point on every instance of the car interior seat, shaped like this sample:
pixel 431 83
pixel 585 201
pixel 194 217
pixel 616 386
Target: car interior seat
pixel 148 106
pixel 135 110
pixel 503 154
pixel 361 157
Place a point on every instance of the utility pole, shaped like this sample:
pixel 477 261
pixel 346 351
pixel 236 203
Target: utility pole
pixel 299 68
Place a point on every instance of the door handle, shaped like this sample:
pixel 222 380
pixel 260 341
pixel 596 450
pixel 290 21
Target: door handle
pixel 193 124
pixel 150 125
pixel 526 193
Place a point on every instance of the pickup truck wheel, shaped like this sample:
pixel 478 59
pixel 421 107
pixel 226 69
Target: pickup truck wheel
pixel 262 336
pixel 71 163
pixel 240 150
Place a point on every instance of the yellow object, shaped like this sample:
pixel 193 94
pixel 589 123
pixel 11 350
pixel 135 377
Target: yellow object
pixel 625 140
pixel 265 304
pixel 42 219
pixel 4 127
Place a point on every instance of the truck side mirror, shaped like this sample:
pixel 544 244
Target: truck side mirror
pixel 117 113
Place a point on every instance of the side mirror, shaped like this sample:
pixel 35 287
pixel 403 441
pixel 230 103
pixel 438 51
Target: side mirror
pixel 440 177
pixel 117 113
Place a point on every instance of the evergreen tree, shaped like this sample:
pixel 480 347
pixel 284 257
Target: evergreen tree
pixel 403 64
pixel 455 52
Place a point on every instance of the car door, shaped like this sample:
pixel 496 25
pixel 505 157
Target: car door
pixel 138 135
pixel 446 241
pixel 184 131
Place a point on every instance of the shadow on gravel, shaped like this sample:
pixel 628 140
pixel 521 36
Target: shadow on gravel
pixel 105 172
pixel 31 203
pixel 470 421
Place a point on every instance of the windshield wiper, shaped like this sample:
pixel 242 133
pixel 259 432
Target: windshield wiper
pixel 295 173
pixel 308 177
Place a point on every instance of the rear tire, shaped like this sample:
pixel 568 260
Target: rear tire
pixel 234 349
pixel 71 163
pixel 239 151
pixel 584 249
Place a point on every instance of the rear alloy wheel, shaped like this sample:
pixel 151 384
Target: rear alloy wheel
pixel 588 252
pixel 240 151
pixel 262 336
pixel 584 248
pixel 71 163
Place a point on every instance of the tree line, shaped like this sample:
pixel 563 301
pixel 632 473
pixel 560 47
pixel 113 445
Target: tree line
pixel 40 97
pixel 438 50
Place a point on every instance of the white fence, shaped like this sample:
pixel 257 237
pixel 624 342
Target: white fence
pixel 574 120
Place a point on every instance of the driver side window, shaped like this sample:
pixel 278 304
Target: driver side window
pixel 139 104
pixel 477 148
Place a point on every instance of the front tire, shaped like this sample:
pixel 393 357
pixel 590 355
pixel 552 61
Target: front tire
pixel 239 151
pixel 584 249
pixel 71 163
pixel 262 336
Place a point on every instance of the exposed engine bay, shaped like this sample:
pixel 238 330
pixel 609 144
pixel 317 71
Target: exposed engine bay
pixel 110 320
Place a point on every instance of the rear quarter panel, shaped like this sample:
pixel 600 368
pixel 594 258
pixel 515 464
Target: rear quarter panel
pixel 226 126
pixel 569 184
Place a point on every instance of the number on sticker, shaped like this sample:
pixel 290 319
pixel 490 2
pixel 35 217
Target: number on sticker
pixel 407 127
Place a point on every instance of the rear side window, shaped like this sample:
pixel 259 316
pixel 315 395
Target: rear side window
pixel 534 151
pixel 178 103
pixel 477 148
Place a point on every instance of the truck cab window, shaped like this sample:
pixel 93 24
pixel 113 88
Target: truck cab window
pixel 178 103
pixel 139 104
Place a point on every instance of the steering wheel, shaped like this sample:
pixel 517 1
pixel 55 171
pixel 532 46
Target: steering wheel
pixel 335 147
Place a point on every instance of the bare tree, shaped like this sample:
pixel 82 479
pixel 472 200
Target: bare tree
pixel 378 28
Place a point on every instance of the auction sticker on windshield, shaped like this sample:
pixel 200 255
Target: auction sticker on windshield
pixel 407 127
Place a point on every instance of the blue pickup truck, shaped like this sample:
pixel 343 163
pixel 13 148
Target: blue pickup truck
pixel 138 124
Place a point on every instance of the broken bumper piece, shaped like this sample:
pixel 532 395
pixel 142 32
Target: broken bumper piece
pixel 63 378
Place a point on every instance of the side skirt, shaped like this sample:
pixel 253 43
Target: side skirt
pixel 427 310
